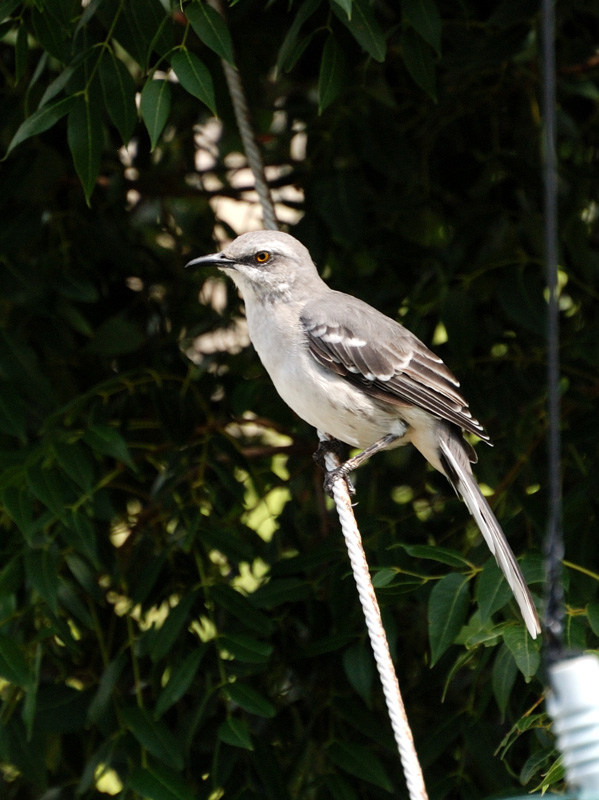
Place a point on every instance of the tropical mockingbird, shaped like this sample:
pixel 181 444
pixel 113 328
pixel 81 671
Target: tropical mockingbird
pixel 358 376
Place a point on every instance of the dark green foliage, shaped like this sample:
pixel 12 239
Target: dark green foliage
pixel 176 615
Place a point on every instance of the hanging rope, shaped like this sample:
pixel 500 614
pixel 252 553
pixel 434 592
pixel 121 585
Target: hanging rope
pixel 376 633
pixel 351 533
pixel 254 157
pixel 554 545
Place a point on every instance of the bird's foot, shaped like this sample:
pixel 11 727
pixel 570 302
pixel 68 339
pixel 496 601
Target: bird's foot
pixel 338 449
pixel 336 475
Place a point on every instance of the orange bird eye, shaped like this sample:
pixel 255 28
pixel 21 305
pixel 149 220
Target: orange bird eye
pixel 262 257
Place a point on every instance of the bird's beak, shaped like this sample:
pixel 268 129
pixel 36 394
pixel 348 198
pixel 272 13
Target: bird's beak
pixel 213 260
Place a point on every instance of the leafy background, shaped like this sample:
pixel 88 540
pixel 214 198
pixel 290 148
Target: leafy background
pixel 176 615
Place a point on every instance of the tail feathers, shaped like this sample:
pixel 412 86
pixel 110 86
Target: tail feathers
pixel 456 467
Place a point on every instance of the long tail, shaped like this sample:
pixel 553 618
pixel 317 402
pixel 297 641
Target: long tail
pixel 456 466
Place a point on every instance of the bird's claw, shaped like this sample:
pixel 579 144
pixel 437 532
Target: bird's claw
pixel 336 475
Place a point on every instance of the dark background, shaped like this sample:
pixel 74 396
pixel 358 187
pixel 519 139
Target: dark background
pixel 176 615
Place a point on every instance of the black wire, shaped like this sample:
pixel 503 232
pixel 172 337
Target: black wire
pixel 554 544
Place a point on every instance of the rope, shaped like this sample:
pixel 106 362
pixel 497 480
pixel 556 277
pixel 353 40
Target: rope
pixel 254 157
pixel 370 607
pixel 376 632
pixel 554 544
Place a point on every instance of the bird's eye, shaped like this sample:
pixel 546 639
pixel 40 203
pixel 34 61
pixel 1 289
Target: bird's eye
pixel 262 257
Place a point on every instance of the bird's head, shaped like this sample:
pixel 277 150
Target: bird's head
pixel 271 265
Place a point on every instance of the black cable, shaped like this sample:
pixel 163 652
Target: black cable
pixel 554 544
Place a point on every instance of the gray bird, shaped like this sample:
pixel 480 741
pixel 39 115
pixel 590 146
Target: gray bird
pixel 359 376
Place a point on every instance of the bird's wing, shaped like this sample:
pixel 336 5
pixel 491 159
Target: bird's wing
pixel 383 358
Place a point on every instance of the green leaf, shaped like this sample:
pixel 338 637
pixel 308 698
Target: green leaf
pixel 358 664
pixel 287 54
pixel 7 7
pixel 141 27
pixel 116 336
pixel 447 609
pixel 28 714
pixel 504 676
pixel 11 576
pixel 118 88
pixel 445 555
pixel 154 736
pixel 18 504
pixel 346 5
pixel 159 783
pixel 245 648
pixel 492 590
pixel 40 121
pixel 51 29
pixel 238 605
pixel 364 28
pixel 180 680
pixel 535 763
pixel 13 666
pixel 235 732
pixel 194 77
pixel 85 134
pixel 51 489
pixel 211 29
pixel 21 53
pixel 383 577
pixel 75 461
pixel 524 649
pixel 12 413
pixel 41 569
pixel 107 441
pixel 105 690
pixel 420 61
pixel 593 617
pixel 249 699
pixel 332 73
pixel 165 637
pixel 360 762
pixel 424 17
pixel 279 591
pixel 155 107
pixel 59 83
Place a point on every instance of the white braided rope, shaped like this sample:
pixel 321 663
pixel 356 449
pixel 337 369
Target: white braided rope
pixel 376 633
pixel 254 157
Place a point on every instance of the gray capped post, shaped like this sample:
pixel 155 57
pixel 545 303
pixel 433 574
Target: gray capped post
pixel 359 376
